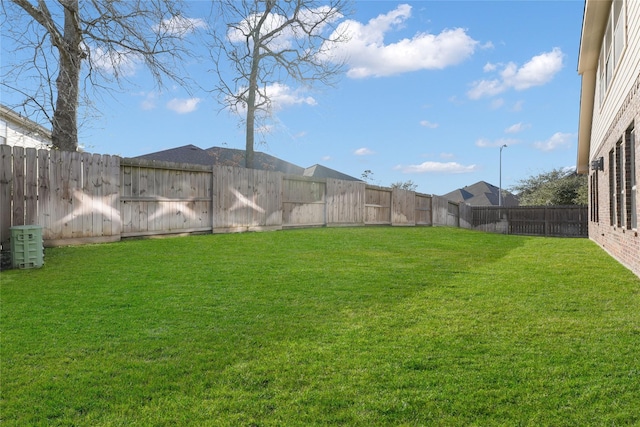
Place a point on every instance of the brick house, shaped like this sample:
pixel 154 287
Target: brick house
pixel 609 124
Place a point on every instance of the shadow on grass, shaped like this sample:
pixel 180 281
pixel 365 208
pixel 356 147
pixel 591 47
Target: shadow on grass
pixel 357 326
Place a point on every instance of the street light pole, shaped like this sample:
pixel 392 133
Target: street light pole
pixel 500 189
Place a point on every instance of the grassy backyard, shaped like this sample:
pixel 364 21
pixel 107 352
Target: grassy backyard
pixel 354 326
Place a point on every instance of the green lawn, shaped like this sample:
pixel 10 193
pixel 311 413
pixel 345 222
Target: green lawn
pixel 351 326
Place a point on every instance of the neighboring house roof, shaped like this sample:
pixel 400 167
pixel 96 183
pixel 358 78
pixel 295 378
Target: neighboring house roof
pixel 234 157
pixel 319 171
pixel 185 154
pixel 263 161
pixel 594 24
pixel 482 194
pixel 17 130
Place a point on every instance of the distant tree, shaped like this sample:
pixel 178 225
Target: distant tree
pixel 556 187
pixel 264 44
pixel 406 185
pixel 367 175
pixel 71 43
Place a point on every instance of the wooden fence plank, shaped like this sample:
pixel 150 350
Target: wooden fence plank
pixel 6 182
pixel 18 186
pixel 44 193
pixel 31 186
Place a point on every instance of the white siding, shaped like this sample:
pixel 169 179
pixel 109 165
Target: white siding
pixel 16 135
pixel 625 76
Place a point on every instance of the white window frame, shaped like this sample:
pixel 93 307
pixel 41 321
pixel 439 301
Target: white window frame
pixel 614 42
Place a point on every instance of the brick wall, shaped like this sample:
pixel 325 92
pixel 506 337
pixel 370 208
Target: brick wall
pixel 621 242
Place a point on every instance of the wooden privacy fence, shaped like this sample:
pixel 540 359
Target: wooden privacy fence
pixel 86 198
pixel 558 221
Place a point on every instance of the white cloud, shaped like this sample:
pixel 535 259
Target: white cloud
pixel 116 62
pixel 183 106
pixel 428 124
pixel 283 96
pixel 486 143
pixel 366 53
pixel 363 152
pixel 437 167
pixel 489 67
pixel 326 158
pixel 179 25
pixel 447 155
pixel 557 140
pixel 314 20
pixel 538 71
pixel 280 96
pixel 517 128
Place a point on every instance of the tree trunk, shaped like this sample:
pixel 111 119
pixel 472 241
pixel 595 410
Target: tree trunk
pixel 251 106
pixel 64 134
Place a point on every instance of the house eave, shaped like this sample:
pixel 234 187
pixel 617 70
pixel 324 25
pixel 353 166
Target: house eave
pixel 10 115
pixel 594 24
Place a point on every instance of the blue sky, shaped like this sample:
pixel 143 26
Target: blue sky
pixel 432 89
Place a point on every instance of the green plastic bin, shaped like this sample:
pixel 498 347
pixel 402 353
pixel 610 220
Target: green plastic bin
pixel 27 249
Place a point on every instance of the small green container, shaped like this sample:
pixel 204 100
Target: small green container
pixel 27 249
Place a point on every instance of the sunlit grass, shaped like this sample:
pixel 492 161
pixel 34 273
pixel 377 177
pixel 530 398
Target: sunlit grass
pixel 353 326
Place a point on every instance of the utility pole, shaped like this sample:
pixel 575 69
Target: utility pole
pixel 500 189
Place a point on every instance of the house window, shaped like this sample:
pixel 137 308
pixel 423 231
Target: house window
pixel 630 185
pixel 612 46
pixel 612 188
pixel 619 185
pixel 595 208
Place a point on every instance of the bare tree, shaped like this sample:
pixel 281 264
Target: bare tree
pixel 91 43
pixel 265 43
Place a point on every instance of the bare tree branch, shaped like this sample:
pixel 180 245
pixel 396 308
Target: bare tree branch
pixel 263 43
pixel 95 43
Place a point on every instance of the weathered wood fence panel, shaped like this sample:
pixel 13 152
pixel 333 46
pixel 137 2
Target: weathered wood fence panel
pixel 558 221
pixel 164 198
pixel 377 205
pixel 303 202
pixel 73 196
pixel 246 199
pixel 440 211
pixel 345 202
pixel 403 211
pixel 83 197
pixel 423 209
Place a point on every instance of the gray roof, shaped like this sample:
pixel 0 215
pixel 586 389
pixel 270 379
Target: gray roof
pixel 319 171
pixel 263 161
pixel 185 154
pixel 235 157
pixel 482 194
